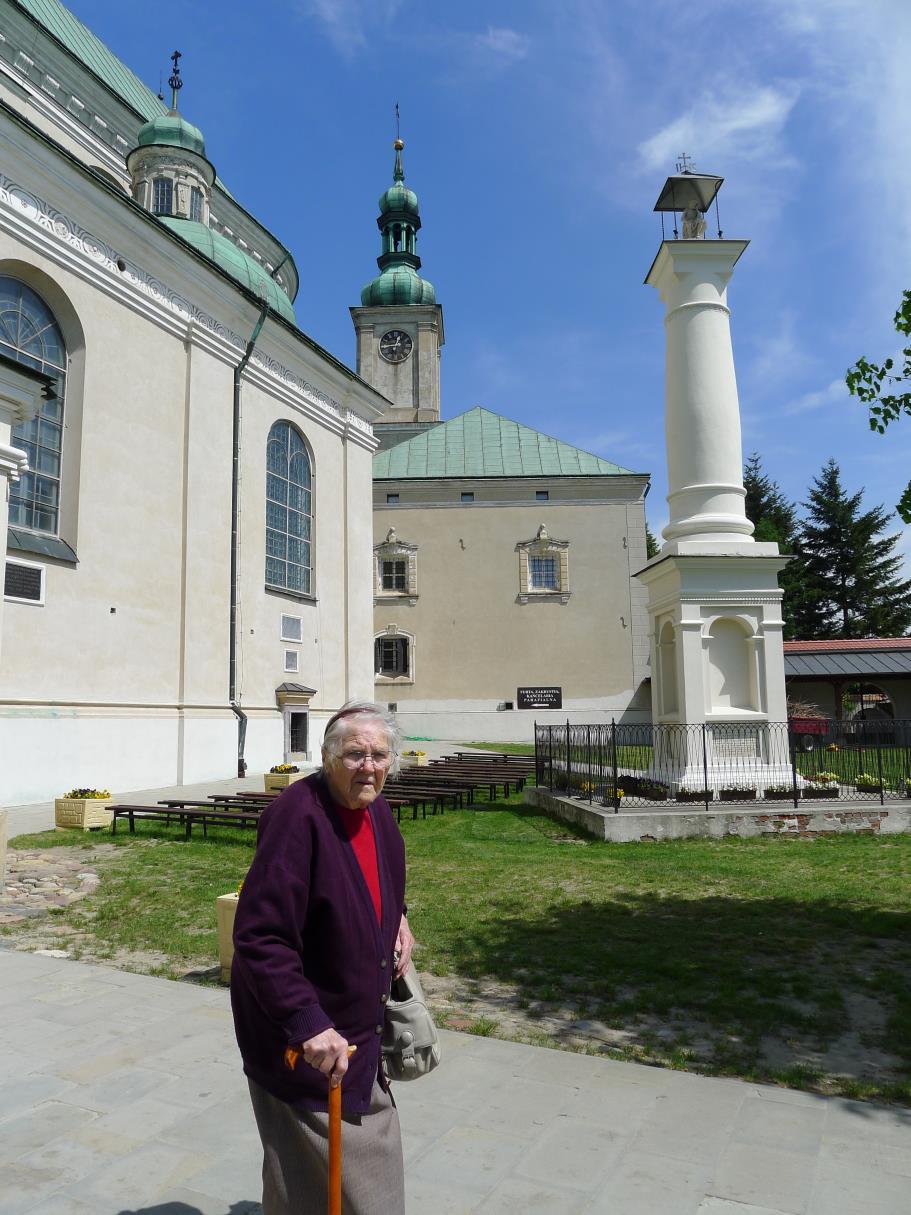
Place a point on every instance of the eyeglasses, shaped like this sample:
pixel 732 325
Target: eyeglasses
pixel 357 759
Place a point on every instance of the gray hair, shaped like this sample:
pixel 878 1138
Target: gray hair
pixel 354 713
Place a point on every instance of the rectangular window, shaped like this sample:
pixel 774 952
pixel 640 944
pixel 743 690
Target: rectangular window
pixel 542 574
pixel 468 496
pixel 392 656
pixel 392 499
pixel 196 204
pixel 395 576
pixel 292 628
pixel 291 661
pixel 542 495
pixel 23 582
pixel 297 740
pixel 162 195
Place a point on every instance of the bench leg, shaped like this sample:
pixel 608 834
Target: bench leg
pixel 132 824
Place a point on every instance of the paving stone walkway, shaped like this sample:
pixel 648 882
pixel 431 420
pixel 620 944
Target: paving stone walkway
pixel 121 1094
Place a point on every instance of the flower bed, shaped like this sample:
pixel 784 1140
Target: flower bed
pixel 738 793
pixel 693 795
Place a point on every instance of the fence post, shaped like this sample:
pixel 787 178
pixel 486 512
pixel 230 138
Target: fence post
pixel 588 739
pixel 569 763
pixel 613 747
pixel 705 769
pixel 879 769
pixel 550 755
pixel 792 747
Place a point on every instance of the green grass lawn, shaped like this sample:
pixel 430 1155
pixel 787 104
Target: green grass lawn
pixel 767 958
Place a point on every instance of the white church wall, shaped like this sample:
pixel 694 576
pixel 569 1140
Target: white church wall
pixel 47 751
pixel 150 506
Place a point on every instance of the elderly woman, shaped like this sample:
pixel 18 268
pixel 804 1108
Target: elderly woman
pixel 320 930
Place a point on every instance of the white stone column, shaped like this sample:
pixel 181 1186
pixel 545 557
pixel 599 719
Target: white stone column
pixel 702 413
pixel 712 588
pixel 20 396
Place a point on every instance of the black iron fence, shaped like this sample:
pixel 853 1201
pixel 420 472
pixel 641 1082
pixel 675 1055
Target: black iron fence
pixel 644 764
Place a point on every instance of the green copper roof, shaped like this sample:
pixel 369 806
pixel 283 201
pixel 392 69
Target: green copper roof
pixel 399 222
pixel 398 285
pixel 483 444
pixel 82 43
pixel 233 261
pixel 173 130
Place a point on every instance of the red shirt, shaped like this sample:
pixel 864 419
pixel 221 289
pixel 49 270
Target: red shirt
pixel 359 826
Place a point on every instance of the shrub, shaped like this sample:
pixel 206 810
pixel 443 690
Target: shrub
pixel 88 794
pixel 823 778
pixel 281 769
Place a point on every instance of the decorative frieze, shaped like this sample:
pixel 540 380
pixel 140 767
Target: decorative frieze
pixel 64 230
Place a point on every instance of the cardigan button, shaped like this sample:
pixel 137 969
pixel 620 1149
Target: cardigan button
pixel 379 1029
pixel 383 998
pixel 383 963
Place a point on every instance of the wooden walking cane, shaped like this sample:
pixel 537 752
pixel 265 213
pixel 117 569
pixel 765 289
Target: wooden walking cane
pixel 335 1133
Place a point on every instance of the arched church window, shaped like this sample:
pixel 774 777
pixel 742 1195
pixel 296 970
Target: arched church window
pixel 29 333
pixel 289 511
pixel 163 196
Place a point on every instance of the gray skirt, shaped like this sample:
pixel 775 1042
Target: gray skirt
pixel 295 1157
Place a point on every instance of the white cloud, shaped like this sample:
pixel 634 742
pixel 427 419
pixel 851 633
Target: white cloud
pixel 724 127
pixel 349 23
pixel 506 44
pixel 833 394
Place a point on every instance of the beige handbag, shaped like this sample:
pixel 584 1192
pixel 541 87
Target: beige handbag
pixel 411 1044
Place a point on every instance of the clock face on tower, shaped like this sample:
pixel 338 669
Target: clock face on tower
pixel 395 346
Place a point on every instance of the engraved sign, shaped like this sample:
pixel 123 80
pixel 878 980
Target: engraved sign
pixel 22 582
pixel 726 746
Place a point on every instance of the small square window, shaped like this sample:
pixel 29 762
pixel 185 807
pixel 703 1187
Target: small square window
pixel 195 204
pixel 392 499
pixel 292 660
pixel 468 496
pixel 542 495
pixel 395 575
pixel 292 628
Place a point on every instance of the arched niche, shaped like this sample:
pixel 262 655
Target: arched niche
pixel 729 657
pixel 667 669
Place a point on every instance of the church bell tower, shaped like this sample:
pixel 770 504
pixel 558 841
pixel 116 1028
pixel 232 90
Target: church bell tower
pixel 399 324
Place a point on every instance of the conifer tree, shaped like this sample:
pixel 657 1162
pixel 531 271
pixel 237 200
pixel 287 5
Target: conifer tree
pixel 651 544
pixel 772 515
pixel 849 567
pixel 774 518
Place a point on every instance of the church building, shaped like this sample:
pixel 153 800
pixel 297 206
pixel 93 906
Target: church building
pixel 185 474
pixel 503 557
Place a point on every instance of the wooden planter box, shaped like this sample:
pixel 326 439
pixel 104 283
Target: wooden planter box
pixel 413 761
pixel 778 796
pixel 737 795
pixel 280 780
pixel 696 795
pixel 821 794
pixel 82 813
pixel 225 908
pixel 868 790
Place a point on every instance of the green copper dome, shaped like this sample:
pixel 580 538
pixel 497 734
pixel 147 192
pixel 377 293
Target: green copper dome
pixel 233 261
pixel 174 131
pixel 399 221
pixel 399 198
pixel 398 285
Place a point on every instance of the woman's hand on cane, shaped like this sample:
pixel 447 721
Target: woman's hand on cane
pixel 328 1052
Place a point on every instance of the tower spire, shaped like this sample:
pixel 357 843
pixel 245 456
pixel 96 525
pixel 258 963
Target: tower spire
pixel 399 221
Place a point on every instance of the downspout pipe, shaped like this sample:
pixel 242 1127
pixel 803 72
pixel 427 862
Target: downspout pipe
pixel 235 494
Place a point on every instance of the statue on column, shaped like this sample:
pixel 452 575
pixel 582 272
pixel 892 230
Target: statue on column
pixel 693 224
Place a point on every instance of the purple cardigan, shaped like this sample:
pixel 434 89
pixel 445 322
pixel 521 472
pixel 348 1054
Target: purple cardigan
pixel 308 951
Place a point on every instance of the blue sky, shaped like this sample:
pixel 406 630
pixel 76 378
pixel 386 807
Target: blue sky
pixel 537 137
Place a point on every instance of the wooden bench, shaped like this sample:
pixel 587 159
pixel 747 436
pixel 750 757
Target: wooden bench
pixel 185 816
